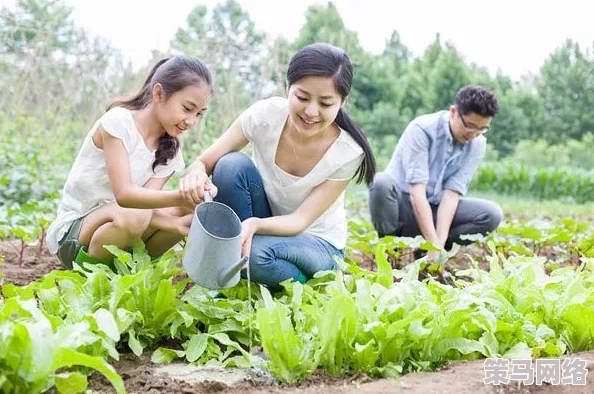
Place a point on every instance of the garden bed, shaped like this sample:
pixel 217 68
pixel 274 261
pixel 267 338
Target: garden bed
pixel 143 376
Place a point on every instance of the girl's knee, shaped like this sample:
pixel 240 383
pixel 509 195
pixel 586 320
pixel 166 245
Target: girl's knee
pixel 134 221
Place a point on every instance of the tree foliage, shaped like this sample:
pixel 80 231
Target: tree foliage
pixel 49 65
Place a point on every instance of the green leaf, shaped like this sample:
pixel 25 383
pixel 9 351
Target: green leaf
pixel 164 355
pixel 107 324
pixel 196 346
pixel 65 358
pixel 71 382
pixel 134 344
pixel 384 269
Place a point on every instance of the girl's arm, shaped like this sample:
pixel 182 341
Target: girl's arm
pixel 157 183
pixel 196 181
pixel 126 195
pixel 175 220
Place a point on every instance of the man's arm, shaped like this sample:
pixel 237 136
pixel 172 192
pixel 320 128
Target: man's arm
pixel 455 187
pixel 423 213
pixel 445 215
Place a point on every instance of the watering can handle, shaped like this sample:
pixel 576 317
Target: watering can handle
pixel 207 196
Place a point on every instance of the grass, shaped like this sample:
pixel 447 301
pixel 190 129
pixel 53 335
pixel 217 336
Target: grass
pixel 516 207
pixel 526 208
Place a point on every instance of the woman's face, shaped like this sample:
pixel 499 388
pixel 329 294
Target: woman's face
pixel 313 105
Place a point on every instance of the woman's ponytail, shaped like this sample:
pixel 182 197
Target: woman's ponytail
pixel 366 170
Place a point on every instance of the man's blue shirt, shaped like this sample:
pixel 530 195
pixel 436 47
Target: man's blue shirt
pixel 427 153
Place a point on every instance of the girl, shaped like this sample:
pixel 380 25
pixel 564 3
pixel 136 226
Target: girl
pixel 113 193
pixel 306 150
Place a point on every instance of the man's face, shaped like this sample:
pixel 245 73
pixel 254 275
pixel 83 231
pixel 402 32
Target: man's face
pixel 466 127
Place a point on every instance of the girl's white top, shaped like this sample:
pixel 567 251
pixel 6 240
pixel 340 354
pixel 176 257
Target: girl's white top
pixel 87 187
pixel 263 124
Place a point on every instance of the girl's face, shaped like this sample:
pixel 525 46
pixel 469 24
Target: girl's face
pixel 182 109
pixel 313 105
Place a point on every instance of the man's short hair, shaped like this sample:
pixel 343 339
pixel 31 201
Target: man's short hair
pixel 477 99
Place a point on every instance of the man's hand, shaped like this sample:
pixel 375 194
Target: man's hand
pixel 433 255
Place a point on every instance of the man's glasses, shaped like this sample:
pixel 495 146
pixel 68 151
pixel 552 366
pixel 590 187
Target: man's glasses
pixel 472 129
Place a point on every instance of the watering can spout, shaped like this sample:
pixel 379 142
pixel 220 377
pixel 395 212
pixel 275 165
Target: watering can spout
pixel 227 274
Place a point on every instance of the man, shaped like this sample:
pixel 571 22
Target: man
pixel 421 191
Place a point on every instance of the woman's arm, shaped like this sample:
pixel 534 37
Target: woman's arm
pixel 195 182
pixel 318 201
pixel 127 195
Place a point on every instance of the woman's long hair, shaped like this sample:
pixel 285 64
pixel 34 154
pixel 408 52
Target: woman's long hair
pixel 329 61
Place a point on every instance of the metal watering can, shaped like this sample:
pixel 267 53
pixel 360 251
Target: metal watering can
pixel 212 255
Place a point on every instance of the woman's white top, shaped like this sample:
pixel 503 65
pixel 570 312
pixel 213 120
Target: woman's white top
pixel 87 187
pixel 263 124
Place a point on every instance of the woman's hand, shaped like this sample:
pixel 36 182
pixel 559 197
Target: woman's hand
pixel 194 185
pixel 249 227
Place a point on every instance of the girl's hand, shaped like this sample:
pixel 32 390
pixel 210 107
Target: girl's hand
pixel 211 188
pixel 249 227
pixel 183 224
pixel 193 186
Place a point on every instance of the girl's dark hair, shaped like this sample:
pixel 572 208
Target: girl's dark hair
pixel 174 74
pixel 326 60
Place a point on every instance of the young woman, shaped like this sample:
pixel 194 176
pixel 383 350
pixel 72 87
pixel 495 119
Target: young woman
pixel 306 150
pixel 113 193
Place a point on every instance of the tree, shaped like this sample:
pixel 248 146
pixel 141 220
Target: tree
pixel 226 40
pixel 397 54
pixel 323 23
pixel 38 27
pixel 446 75
pixel 566 87
pixel 519 118
pixel 51 66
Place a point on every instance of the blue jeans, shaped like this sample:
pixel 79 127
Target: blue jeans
pixel 273 259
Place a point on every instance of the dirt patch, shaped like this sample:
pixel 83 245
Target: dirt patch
pixel 142 377
pixel 36 263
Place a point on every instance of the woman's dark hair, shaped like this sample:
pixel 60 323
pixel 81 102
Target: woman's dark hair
pixel 477 99
pixel 174 74
pixel 326 60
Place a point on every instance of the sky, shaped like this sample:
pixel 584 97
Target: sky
pixel 514 36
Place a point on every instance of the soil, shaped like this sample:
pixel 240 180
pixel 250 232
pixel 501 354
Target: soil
pixel 35 263
pixel 458 378
pixel 142 376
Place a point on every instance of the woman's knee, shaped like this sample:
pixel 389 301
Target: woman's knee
pixel 230 166
pixel 262 254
